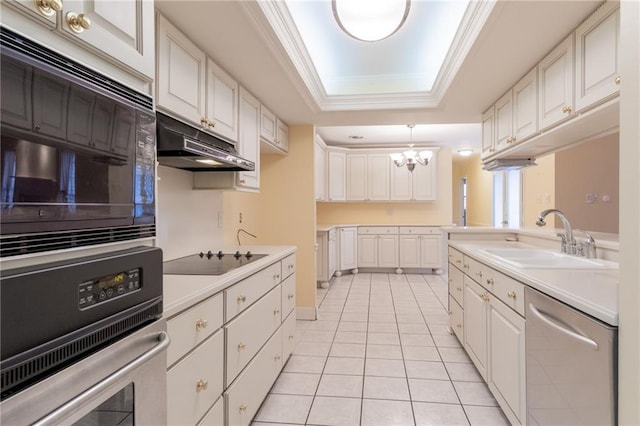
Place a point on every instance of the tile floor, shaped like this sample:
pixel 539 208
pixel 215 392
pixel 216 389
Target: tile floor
pixel 380 354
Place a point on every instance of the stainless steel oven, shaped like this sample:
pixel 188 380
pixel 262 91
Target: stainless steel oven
pixel 84 342
pixel 77 153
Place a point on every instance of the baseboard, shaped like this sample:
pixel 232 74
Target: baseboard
pixel 307 314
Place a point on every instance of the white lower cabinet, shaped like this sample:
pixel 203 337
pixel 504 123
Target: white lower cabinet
pixel 220 372
pixel 419 247
pixel 348 248
pixel 196 382
pixel 488 317
pixel 246 394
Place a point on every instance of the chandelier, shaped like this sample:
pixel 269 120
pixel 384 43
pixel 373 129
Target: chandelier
pixel 411 157
pixel 370 20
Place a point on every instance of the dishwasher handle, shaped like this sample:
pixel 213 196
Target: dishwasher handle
pixel 563 328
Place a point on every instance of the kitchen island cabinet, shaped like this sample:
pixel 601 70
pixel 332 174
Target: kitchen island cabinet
pixel 231 336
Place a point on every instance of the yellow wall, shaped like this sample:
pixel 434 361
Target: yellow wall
pixel 428 213
pixel 538 189
pixel 283 213
pixel 479 191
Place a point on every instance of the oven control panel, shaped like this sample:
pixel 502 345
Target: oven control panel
pixel 103 289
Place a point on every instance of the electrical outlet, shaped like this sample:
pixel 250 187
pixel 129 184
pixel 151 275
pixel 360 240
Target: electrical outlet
pixel 240 218
pixel 592 198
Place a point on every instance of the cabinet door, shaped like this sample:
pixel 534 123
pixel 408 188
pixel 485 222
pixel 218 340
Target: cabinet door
pixel 507 359
pixel 332 254
pixel 401 183
pixel 50 95
pixel 43 14
pixel 124 131
pixel 378 176
pixel 222 102
pixel 181 74
pixel 475 324
pixel 409 247
pixel 16 93
pixel 268 125
pixel 555 85
pixel 424 181
pixel 104 115
pixel 388 251
pixel 337 176
pixel 319 171
pixel 525 106
pixel 282 135
pixel 249 138
pixel 456 319
pixel 81 109
pixel 504 122
pixel 356 177
pixel 121 29
pixel 430 251
pixel 597 41
pixel 348 237
pixel 488 132
pixel 367 251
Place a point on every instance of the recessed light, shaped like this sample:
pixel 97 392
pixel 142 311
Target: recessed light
pixel 356 137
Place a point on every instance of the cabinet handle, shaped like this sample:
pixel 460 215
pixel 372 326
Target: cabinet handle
pixel 290 296
pixel 466 266
pixel 459 325
pixel 242 408
pixel 484 297
pixel 276 311
pixel 200 324
pixel 617 80
pixel 211 123
pixel 277 357
pixel 450 313
pixel 242 299
pixel 567 109
pixel 479 274
pixel 490 281
pixel 49 7
pixel 241 346
pixel 201 385
pixel 204 122
pixel 511 139
pixel 459 288
pixel 78 22
pixel 458 261
pixel 242 181
pixel 512 294
pixel 291 336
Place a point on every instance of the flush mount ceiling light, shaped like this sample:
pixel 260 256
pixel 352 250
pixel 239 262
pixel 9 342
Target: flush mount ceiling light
pixel 411 157
pixel 370 20
pixel 465 152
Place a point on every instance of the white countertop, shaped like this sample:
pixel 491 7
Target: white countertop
pixel 180 292
pixel 594 292
pixel 323 227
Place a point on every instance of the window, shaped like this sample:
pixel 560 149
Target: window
pixel 507 198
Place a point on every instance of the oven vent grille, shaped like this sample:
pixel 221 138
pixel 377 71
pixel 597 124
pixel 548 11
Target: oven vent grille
pixel 25 373
pixel 21 244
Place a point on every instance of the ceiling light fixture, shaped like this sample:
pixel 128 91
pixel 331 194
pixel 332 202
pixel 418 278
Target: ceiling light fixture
pixel 370 20
pixel 411 157
pixel 465 152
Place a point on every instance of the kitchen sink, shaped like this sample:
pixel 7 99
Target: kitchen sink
pixel 546 259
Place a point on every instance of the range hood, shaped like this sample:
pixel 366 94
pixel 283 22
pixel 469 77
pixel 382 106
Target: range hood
pixel 508 164
pixel 185 147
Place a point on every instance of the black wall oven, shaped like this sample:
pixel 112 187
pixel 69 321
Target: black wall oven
pixel 78 153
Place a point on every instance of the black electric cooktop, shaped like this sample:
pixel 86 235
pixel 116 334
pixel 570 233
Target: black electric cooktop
pixel 209 263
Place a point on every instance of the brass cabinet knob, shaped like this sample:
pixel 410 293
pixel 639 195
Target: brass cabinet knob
pixel 458 261
pixel 242 181
pixel 459 288
pixel 459 325
pixel 201 385
pixel 49 7
pixel 617 80
pixel 511 139
pixel 484 297
pixel 490 281
pixel 291 337
pixel 242 299
pixel 512 294
pixel 200 324
pixel 479 274
pixel 277 358
pixel 242 408
pixel 241 346
pixel 276 311
pixel 78 22
pixel 204 122
pixel 567 109
pixel 290 296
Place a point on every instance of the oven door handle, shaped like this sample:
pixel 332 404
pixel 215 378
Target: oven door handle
pixel 63 411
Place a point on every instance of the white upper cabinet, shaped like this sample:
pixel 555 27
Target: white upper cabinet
pixel 488 132
pixel 193 87
pixel 378 177
pixel 555 88
pixel 273 132
pixel 249 139
pixel 356 177
pixel 222 102
pixel 418 185
pixel 525 107
pixel 597 42
pixel 337 175
pixel 504 121
pixel 120 31
pixel 268 125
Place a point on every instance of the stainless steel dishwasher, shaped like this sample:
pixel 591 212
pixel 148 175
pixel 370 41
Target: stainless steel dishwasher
pixel 571 365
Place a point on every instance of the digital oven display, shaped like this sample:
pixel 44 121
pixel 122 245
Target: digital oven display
pixel 102 289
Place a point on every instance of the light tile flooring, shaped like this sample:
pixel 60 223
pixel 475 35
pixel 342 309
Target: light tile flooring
pixel 380 354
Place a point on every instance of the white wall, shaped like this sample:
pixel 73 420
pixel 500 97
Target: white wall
pixel 187 219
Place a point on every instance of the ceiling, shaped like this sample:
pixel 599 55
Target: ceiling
pixel 260 45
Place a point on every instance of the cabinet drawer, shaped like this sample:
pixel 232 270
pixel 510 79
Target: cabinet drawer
pixel 240 296
pixel 456 285
pixel 288 336
pixel 288 288
pixel 455 258
pixel 419 230
pixel 377 230
pixel 196 382
pixel 215 416
pixel 456 319
pixel 479 272
pixel 246 394
pixel 510 291
pixel 246 334
pixel 289 264
pixel 193 326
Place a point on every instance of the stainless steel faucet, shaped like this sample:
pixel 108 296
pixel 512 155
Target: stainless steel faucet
pixel 568 242
pixel 588 247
